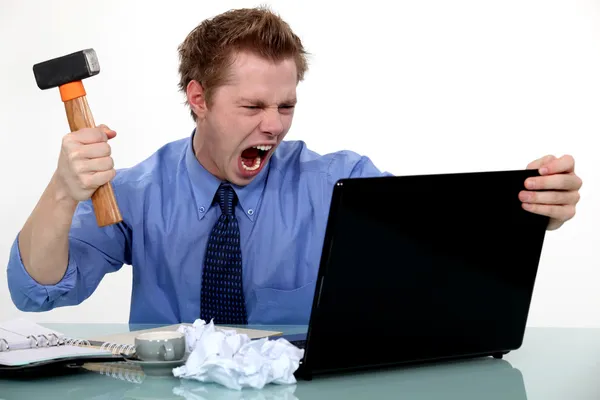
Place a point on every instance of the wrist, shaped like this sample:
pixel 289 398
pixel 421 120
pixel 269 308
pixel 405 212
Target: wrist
pixel 60 193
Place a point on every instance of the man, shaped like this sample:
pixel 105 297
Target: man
pixel 225 224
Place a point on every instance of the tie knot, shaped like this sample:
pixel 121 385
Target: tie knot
pixel 226 198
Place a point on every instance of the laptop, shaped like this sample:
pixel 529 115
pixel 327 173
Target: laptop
pixel 481 379
pixel 422 268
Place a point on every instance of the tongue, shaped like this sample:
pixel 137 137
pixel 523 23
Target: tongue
pixel 251 153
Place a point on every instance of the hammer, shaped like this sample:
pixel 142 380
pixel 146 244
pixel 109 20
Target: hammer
pixel 66 73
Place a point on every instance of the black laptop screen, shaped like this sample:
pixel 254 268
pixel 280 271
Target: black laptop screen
pixel 422 268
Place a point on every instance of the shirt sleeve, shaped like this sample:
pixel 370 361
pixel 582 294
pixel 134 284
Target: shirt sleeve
pixel 93 252
pixel 348 164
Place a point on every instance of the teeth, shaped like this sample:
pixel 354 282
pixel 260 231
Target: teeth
pixel 263 148
pixel 254 167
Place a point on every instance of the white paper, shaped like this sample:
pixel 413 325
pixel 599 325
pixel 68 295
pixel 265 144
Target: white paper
pixel 233 360
pixel 16 333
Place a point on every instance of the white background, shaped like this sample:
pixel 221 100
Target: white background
pixel 419 86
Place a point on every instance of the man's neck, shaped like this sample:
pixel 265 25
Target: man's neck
pixel 201 154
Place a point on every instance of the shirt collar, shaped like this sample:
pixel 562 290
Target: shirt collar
pixel 205 185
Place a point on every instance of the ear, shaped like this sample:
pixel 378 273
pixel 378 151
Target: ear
pixel 196 98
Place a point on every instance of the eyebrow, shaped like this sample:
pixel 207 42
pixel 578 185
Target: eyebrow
pixel 260 103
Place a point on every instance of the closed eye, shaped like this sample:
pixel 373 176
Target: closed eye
pixel 285 107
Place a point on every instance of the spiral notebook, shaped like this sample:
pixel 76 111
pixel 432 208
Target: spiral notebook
pixel 24 343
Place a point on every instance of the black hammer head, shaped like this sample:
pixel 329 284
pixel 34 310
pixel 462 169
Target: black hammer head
pixel 65 69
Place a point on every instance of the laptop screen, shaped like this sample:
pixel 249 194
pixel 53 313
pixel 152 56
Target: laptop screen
pixel 425 267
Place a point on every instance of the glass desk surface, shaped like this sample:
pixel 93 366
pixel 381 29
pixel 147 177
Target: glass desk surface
pixel 552 364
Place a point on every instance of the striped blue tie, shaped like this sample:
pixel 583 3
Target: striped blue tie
pixel 222 296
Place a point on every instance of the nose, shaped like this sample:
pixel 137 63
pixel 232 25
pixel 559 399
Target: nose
pixel 272 123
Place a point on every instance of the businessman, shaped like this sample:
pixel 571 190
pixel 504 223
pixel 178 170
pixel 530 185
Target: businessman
pixel 226 223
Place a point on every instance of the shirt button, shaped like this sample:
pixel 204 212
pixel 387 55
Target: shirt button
pixel 201 209
pixel 250 212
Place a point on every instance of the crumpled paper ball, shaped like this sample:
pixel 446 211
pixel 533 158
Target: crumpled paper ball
pixel 233 360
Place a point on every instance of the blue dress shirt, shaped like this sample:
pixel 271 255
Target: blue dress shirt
pixel 166 204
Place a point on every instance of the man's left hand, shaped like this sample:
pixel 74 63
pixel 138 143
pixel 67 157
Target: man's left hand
pixel 555 193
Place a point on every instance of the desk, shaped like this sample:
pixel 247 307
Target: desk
pixel 552 364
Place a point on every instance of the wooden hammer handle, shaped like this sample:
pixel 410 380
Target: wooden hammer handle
pixel 105 205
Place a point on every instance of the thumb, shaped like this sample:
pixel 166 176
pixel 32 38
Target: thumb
pixel 537 164
pixel 107 131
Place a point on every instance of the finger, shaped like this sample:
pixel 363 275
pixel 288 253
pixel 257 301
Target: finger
pixel 537 164
pixel 553 182
pixel 99 178
pixel 96 165
pixel 562 213
pixel 550 198
pixel 93 135
pixel 94 150
pixel 88 151
pixel 89 136
pixel 565 164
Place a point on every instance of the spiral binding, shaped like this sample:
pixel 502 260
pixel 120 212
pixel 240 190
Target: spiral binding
pixel 75 342
pixel 42 341
pixel 114 348
pixel 117 348
pixel 36 341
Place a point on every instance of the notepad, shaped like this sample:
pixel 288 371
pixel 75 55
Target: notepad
pixel 23 342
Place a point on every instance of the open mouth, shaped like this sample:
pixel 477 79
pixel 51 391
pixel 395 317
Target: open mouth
pixel 253 158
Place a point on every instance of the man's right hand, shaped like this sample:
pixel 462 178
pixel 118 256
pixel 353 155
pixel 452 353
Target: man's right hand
pixel 85 162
